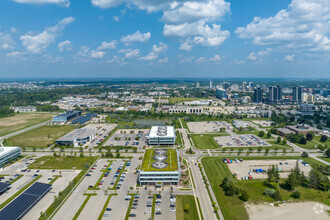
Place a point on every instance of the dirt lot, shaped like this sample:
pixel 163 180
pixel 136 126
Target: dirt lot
pixel 247 140
pixel 20 121
pixel 263 123
pixel 207 126
pixel 301 211
pixel 243 168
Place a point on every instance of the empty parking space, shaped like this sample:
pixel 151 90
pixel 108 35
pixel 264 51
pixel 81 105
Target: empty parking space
pixel 129 137
pixel 102 131
pixel 263 123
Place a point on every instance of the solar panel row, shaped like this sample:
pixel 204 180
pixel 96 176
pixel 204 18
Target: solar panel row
pixel 81 119
pixel 24 202
pixel 3 187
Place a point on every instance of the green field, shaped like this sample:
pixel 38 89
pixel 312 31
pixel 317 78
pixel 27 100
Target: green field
pixel 20 121
pixel 50 162
pixel 325 159
pixel 205 141
pixel 316 141
pixel 39 137
pixel 181 202
pixel 174 100
pixel 172 161
pixel 232 207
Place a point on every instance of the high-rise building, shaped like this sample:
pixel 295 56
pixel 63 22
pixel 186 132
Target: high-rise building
pixel 297 94
pixel 226 85
pixel 258 94
pixel 221 93
pixel 197 84
pixel 244 86
pixel 234 87
pixel 210 84
pixel 251 86
pixel 275 94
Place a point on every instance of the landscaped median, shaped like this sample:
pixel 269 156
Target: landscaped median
pixel 101 177
pixel 105 206
pixel 83 206
pixel 19 192
pixel 206 141
pixel 130 205
pixel 186 207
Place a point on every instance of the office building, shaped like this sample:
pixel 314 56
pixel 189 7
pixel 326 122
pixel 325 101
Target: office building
pixel 9 153
pixel 225 85
pixel 197 84
pixel 221 93
pixel 77 137
pixel 160 167
pixel 297 94
pixel 275 94
pixel 161 135
pixel 251 86
pixel 307 107
pixel 210 87
pixel 244 86
pixel 258 95
pixel 66 116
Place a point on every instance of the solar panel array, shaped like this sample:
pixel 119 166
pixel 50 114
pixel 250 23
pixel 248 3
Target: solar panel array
pixel 3 186
pixel 24 202
pixel 81 120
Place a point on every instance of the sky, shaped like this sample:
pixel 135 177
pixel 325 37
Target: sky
pixel 164 39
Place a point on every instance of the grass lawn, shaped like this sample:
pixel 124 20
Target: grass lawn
pixel 181 202
pixel 22 120
pixel 232 207
pixel 316 141
pixel 274 143
pixel 50 162
pixel 172 161
pixel 39 137
pixel 246 132
pixel 205 141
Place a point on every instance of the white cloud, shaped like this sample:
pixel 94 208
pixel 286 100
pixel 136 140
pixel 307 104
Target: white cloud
pixel 201 33
pixel 216 58
pixel 116 18
pixel 13 30
pixel 304 25
pixel 289 58
pixel 158 49
pixel 14 54
pixel 83 51
pixel 37 43
pixel 150 56
pixel 63 3
pixel 137 37
pixel 130 53
pixel 6 42
pixel 192 11
pixel 186 46
pixel 149 5
pixel 254 56
pixel 97 54
pixel 108 45
pixel 164 60
pixel 65 45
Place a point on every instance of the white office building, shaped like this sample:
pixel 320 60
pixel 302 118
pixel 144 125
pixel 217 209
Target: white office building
pixel 161 135
pixel 9 153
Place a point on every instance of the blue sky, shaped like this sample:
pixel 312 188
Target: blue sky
pixel 148 38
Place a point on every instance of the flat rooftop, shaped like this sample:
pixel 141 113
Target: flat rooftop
pixel 161 131
pixel 7 150
pixel 77 134
pixel 148 159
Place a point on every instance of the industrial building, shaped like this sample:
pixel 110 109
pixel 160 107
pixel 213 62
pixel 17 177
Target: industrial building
pixel 9 153
pixel 77 137
pixel 160 167
pixel 161 135
pixel 298 129
pixel 66 116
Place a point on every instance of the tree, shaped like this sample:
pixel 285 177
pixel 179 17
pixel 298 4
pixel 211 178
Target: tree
pixel 296 194
pixel 278 139
pixel 324 138
pixel 277 196
pixel 295 178
pixel 267 151
pixel 244 195
pixel 304 154
pixel 269 134
pixel 261 133
pixel 273 175
pixel 303 141
pixel 318 181
pixel 327 152
pixel 309 136
pixel 186 208
pixel 284 141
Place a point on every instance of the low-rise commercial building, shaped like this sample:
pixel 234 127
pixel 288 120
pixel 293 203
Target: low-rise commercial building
pixel 160 167
pixel 161 135
pixel 9 153
pixel 66 116
pixel 77 137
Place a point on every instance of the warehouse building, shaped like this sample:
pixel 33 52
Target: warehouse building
pixel 66 116
pixel 77 137
pixel 161 135
pixel 160 167
pixel 9 153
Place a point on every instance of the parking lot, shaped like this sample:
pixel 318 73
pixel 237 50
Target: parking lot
pixel 248 140
pixel 102 131
pixel 263 123
pixel 208 126
pixel 129 137
pixel 246 168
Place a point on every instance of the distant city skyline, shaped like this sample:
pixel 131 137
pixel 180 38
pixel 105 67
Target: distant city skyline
pixel 165 39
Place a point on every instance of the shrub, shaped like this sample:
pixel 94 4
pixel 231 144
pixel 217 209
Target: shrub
pixel 277 196
pixel 269 192
pixel 324 138
pixel 296 194
pixel 244 196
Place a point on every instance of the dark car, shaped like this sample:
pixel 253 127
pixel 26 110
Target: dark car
pixel 158 213
pixel 149 205
pixel 53 171
pixel 135 203
pixel 158 196
pixel 108 209
pixel 132 215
